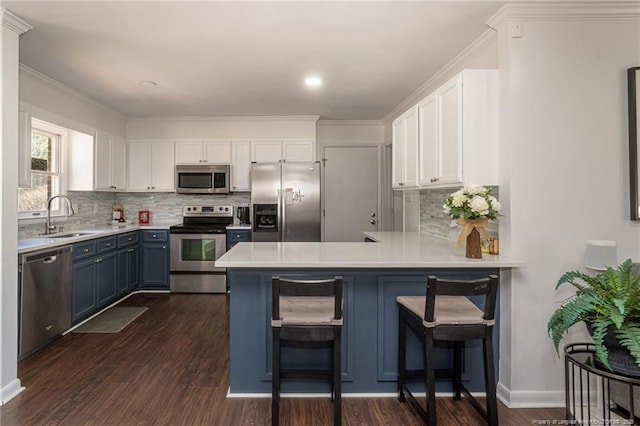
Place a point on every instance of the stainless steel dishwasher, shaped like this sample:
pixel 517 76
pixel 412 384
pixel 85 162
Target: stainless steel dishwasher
pixel 45 297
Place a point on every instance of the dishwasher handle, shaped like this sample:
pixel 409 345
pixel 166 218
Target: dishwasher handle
pixel 47 256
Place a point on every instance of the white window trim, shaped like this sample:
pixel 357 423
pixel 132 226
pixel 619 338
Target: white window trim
pixel 37 216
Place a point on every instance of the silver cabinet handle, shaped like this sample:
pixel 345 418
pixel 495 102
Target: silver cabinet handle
pixel 401 183
pixel 130 251
pixel 108 245
pixel 85 251
pixel 129 239
pixel 164 247
pixel 155 236
pixel 373 222
pixel 373 214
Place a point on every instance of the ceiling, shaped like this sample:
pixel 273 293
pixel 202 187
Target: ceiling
pixel 247 58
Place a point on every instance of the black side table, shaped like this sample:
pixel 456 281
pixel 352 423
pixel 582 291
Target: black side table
pixel 588 390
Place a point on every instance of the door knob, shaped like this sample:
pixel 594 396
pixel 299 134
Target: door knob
pixel 373 214
pixel 373 222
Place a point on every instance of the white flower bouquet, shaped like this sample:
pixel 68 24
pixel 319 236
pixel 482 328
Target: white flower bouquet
pixel 473 206
pixel 472 202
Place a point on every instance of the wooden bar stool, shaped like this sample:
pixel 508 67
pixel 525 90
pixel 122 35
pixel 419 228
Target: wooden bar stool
pixel 307 314
pixel 445 313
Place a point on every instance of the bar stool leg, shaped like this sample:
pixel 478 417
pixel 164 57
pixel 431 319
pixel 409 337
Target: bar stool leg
pixel 402 337
pixel 490 378
pixel 337 373
pixel 275 378
pixel 457 369
pixel 430 377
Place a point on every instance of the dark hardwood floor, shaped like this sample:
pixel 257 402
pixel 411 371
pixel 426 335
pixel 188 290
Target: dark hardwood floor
pixel 170 367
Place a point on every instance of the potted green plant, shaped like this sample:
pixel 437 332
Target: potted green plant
pixel 609 304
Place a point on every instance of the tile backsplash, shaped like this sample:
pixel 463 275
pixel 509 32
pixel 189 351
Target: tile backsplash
pixel 93 209
pixel 435 223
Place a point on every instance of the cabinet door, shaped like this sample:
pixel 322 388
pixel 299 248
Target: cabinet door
pixel 266 151
pixel 139 170
pixel 218 152
pixel 24 149
pixel 122 271
pixel 411 148
pixel 83 301
pixel 450 131
pixel 133 268
pixel 189 152
pixel 428 140
pixel 155 266
pixel 106 279
pixel 118 164
pixel 297 151
pixel 162 166
pixel 397 154
pixel 241 166
pixel 102 161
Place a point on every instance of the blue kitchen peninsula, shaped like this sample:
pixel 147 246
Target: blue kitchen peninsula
pixel 374 274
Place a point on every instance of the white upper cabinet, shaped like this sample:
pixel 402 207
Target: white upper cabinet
pixel 198 152
pixel 241 166
pixel 457 133
pixel 151 167
pixel 218 152
pixel 266 151
pixel 110 160
pixel 405 150
pixel 298 151
pixel 428 140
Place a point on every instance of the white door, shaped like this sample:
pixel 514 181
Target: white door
pixel 351 176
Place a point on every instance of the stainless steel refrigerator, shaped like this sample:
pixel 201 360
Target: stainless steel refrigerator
pixel 285 198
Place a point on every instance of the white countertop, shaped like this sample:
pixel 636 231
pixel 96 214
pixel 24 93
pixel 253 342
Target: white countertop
pixel 46 242
pixel 392 250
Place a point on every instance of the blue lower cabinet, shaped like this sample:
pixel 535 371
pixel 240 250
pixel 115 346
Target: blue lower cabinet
pixel 128 268
pixel 235 236
pixel 106 279
pixel 154 270
pixel 84 300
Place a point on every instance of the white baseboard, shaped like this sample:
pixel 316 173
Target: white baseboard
pixel 344 395
pixel 529 399
pixel 10 391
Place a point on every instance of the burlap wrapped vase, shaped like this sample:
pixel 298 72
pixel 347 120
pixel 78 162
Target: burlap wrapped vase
pixel 472 230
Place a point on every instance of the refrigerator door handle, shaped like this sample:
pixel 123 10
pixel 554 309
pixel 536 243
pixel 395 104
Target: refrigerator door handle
pixel 281 221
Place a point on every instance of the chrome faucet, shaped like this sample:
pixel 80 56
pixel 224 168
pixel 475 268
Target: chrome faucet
pixel 48 227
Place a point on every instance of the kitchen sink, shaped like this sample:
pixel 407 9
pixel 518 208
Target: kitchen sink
pixel 73 235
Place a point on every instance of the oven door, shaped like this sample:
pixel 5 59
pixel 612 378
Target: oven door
pixel 197 252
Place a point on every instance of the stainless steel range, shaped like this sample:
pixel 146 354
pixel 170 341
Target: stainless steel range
pixel 195 247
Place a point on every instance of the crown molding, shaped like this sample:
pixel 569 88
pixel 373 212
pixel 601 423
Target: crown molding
pixel 351 122
pixel 37 75
pixel 313 118
pixel 450 68
pixel 589 11
pixel 14 23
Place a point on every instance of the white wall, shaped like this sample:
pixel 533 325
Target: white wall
pixel 176 128
pixel 51 101
pixel 9 383
pixel 564 174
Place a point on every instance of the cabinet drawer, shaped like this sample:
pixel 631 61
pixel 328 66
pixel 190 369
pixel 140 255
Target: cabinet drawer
pixel 162 236
pixel 127 239
pixel 238 236
pixel 84 249
pixel 106 244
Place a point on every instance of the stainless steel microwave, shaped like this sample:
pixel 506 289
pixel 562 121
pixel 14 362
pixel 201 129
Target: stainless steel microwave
pixel 201 179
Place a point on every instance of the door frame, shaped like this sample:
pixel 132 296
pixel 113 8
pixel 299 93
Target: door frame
pixel 323 161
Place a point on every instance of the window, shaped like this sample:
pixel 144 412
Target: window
pixel 46 172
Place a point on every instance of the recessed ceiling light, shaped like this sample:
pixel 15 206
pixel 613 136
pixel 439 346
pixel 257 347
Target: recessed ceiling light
pixel 148 83
pixel 313 81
